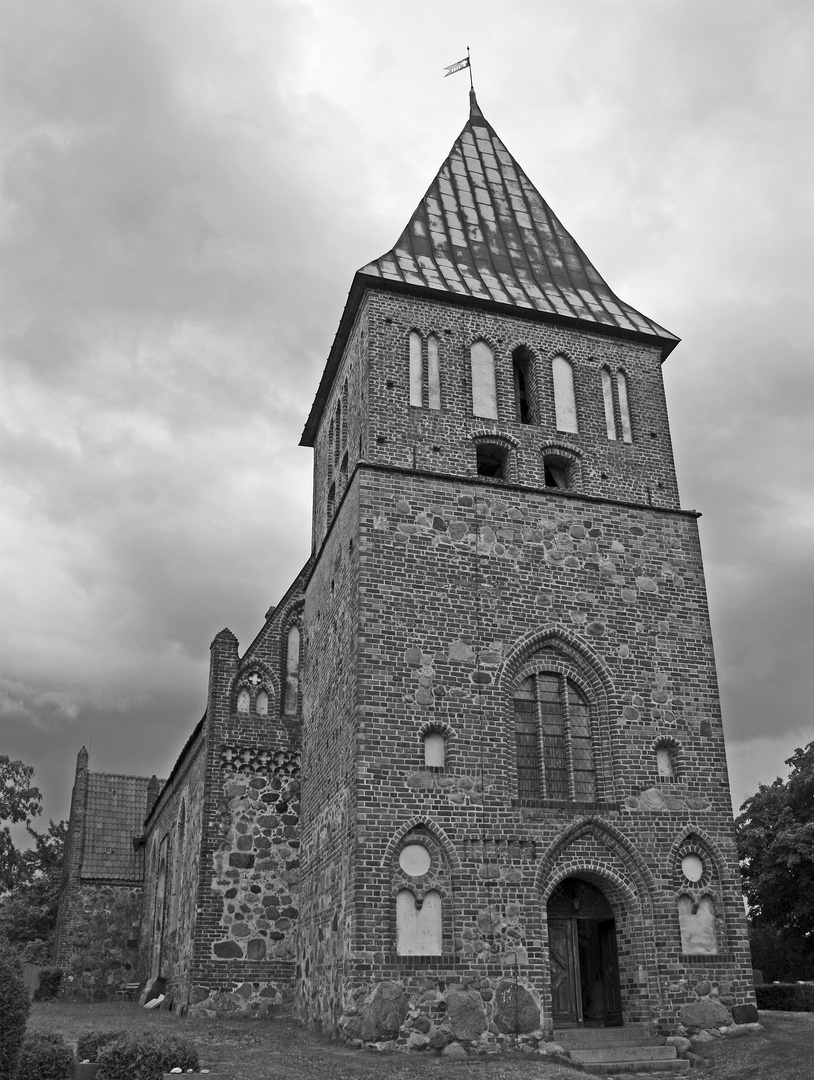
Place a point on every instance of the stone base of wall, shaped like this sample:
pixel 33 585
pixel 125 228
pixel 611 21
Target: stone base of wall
pixel 253 1000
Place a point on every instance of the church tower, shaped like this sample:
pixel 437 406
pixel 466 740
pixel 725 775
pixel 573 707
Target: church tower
pixel 515 803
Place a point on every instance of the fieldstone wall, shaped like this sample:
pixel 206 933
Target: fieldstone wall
pixel 99 940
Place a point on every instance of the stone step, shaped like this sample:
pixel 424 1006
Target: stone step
pixel 638 1068
pixel 610 1054
pixel 639 1035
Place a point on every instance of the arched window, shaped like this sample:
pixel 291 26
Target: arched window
pixel 292 668
pixel 624 406
pixel 416 370
pixel 484 391
pixel 261 705
pixel 434 750
pixel 419 888
pixel 607 397
pixel 553 737
pixel 243 700
pixel 433 373
pixel 521 371
pixel 664 762
pixel 565 404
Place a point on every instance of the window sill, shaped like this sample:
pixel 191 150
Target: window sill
pixel 705 958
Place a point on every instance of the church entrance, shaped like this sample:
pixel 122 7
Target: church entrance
pixel 582 954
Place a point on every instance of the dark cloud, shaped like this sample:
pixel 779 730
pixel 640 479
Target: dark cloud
pixel 186 191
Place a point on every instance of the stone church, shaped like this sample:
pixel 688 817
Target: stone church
pixel 468 781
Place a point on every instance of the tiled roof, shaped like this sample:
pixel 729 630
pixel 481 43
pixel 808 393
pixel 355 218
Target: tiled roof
pixel 484 231
pixel 115 811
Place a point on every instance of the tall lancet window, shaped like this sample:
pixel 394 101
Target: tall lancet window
pixel 565 404
pixel 292 671
pixel 416 370
pixel 624 406
pixel 433 373
pixel 607 396
pixel 484 391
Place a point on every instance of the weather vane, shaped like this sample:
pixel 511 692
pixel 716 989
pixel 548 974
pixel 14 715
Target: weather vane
pixel 465 63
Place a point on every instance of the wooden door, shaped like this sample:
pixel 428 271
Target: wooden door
pixel 610 973
pixel 564 971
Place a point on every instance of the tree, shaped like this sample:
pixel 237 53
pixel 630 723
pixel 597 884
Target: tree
pixel 19 802
pixel 29 878
pixel 776 847
pixel 28 912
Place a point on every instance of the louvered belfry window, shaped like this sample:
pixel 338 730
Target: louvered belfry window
pixel 553 733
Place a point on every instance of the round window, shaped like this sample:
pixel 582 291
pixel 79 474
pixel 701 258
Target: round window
pixel 692 868
pixel 414 860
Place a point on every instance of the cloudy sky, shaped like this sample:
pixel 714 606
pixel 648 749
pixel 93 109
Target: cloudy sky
pixel 187 189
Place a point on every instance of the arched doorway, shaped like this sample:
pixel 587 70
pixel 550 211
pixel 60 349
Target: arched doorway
pixel 583 962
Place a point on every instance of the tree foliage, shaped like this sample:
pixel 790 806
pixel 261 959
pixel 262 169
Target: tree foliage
pixel 776 849
pixel 29 877
pixel 20 801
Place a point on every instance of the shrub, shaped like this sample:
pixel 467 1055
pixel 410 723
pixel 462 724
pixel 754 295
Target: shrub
pixel 14 1006
pixel 50 982
pixel 787 997
pixel 145 1057
pixel 44 1056
pixel 90 1042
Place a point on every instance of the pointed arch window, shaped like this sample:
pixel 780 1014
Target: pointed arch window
pixel 624 406
pixel 433 373
pixel 565 403
pixel 607 397
pixel 484 389
pixel 416 370
pixel 292 669
pixel 555 758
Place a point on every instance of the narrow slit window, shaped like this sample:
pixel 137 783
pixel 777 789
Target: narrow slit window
pixel 331 504
pixel 624 406
pixel 416 369
pixel 522 387
pixel 607 396
pixel 433 373
pixel 565 404
pixel 484 390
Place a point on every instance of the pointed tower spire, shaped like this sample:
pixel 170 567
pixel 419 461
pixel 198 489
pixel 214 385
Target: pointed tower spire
pixel 484 234
pixel 484 231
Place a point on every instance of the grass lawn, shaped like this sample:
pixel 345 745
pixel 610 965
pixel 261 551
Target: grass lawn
pixel 280 1049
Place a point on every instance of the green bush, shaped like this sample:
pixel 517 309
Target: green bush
pixel 44 1056
pixel 90 1042
pixel 786 997
pixel 145 1057
pixel 14 1006
pixel 50 982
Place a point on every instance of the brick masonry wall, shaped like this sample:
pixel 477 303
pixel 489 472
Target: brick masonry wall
pixel 462 581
